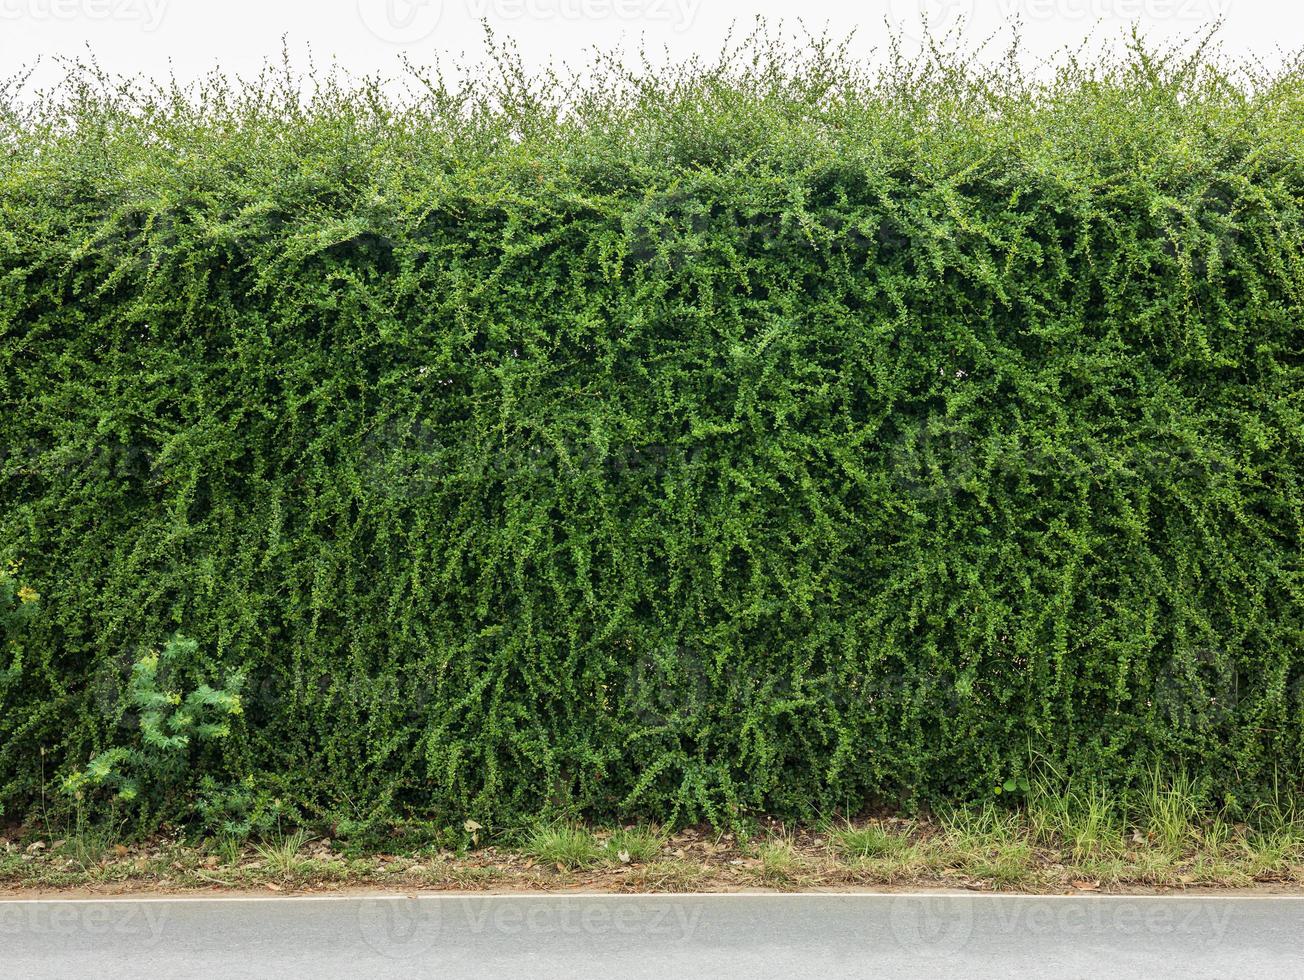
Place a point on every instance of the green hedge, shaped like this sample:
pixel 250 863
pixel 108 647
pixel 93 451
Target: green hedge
pixel 777 434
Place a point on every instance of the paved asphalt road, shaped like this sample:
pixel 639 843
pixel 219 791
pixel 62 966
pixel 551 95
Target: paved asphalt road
pixel 612 936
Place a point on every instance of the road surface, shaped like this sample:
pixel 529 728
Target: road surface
pixel 615 936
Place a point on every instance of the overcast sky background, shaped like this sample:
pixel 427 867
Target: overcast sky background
pixel 189 37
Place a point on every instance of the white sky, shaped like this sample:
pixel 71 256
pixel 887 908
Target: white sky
pixel 365 35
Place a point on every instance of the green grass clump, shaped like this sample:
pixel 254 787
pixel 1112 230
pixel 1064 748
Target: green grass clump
pixel 780 865
pixel 636 844
pixel 775 434
pixel 567 845
pixel 280 853
pixel 868 841
pixel 667 876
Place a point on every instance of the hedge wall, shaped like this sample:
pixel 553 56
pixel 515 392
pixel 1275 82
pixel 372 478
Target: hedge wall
pixel 772 434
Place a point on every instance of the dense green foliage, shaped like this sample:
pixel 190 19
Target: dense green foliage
pixel 18 604
pixel 171 726
pixel 779 434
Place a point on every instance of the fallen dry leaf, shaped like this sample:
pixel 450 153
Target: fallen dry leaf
pixel 1086 886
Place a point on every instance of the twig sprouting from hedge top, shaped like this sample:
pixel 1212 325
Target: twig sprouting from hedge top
pixel 777 433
